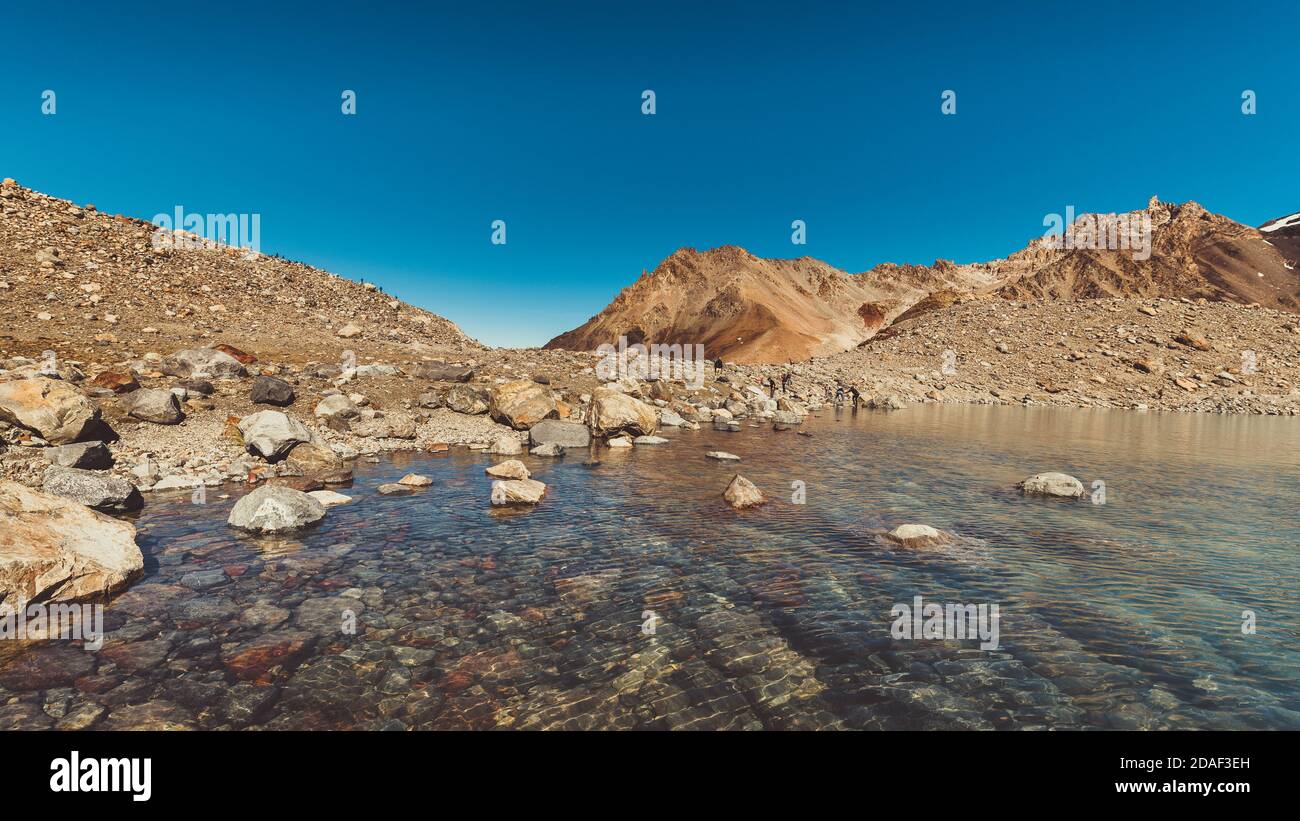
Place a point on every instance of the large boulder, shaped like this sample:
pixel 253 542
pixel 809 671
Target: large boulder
pixel 153 405
pixel 466 399
pixel 509 469
pixel 517 491
pixel 55 550
pixel 206 362
pixel 272 434
pixel 267 390
pixel 51 408
pixel 1052 484
pixel 615 412
pixel 102 491
pixel 84 455
pixel 522 404
pixel 275 509
pixel 559 432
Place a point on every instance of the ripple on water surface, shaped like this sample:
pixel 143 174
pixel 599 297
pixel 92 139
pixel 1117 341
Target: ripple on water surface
pixel 435 610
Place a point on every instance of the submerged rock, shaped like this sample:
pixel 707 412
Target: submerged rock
pixel 329 498
pixel 275 509
pixel 1052 484
pixel 918 536
pixel 742 493
pixel 549 449
pixel 319 462
pixel 53 549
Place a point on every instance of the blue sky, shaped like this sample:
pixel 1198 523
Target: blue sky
pixel 531 113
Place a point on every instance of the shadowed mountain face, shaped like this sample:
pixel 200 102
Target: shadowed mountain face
pixel 748 309
pixel 1284 235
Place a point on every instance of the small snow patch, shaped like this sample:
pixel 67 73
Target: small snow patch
pixel 1285 222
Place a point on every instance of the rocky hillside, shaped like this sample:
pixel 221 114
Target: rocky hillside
pixel 91 286
pixel 752 310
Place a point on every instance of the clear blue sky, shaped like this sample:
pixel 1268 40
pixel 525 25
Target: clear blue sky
pixel 531 113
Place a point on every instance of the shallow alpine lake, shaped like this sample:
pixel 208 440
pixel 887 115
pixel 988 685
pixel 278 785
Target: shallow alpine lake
pixel 633 597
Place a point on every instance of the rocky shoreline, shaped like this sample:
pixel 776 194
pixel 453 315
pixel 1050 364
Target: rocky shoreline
pixel 177 421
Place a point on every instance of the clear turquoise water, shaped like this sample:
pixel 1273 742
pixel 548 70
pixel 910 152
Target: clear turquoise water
pixel 1122 615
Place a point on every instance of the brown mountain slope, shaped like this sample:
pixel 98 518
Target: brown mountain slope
pixel 749 309
pixel 1194 253
pixel 752 310
pixel 73 278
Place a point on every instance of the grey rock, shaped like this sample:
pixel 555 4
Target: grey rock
pixel 1052 484
pixel 267 390
pixel 560 432
pixel 205 362
pixel 272 434
pixel 83 455
pixel 152 405
pixel 465 399
pixel 442 372
pixel 337 406
pixel 92 489
pixel 275 509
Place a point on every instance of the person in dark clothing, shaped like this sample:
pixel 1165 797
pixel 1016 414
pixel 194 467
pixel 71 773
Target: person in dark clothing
pixel 856 396
pixel 839 394
pixel 785 383
pixel 771 387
